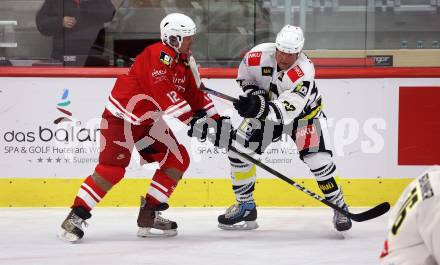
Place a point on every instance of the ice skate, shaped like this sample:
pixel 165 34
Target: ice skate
pixel 72 229
pixel 239 217
pixel 340 221
pixel 151 224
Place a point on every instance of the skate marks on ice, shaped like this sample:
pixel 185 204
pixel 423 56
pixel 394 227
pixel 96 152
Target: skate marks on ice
pixel 285 236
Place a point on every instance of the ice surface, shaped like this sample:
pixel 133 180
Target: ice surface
pixel 291 236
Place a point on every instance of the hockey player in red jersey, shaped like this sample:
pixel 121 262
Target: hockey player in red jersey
pixel 159 82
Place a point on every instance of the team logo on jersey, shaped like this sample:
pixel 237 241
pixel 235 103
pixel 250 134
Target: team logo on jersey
pixel 266 71
pixel 295 73
pixel 254 58
pixel 158 72
pixel 165 58
pixel 301 89
pixel 425 187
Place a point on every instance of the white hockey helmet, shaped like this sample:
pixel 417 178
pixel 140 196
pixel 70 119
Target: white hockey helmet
pixel 174 27
pixel 290 39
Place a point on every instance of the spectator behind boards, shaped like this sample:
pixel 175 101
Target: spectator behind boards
pixel 77 28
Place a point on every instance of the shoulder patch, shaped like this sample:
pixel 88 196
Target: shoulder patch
pixel 266 71
pixel 295 73
pixel 301 89
pixel 254 58
pixel 165 58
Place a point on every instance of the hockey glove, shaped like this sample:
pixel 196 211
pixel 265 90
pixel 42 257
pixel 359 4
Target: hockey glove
pixel 252 106
pixel 222 132
pixel 254 90
pixel 198 126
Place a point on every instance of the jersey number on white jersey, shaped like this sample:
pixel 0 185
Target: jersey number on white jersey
pixel 412 199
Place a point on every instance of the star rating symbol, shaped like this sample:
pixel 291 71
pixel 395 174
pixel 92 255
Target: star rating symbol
pixel 57 160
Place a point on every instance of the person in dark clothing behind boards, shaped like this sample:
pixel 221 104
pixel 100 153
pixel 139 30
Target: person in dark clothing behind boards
pixel 77 28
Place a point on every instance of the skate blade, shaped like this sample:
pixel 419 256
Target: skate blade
pixel 343 228
pixel 151 232
pixel 344 234
pixel 67 236
pixel 245 225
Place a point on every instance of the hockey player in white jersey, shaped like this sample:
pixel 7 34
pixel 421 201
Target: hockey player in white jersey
pixel 280 96
pixel 414 224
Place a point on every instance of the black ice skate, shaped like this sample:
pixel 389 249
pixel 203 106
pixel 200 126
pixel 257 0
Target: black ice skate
pixel 239 217
pixel 340 221
pixel 72 229
pixel 151 224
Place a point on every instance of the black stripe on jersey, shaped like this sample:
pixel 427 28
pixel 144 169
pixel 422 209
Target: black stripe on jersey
pixel 235 160
pixel 324 171
pixel 314 89
pixel 244 189
pixel 318 169
pixel 277 112
pixel 273 88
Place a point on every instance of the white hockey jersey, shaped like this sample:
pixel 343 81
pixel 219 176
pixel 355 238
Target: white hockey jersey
pixel 293 91
pixel 414 224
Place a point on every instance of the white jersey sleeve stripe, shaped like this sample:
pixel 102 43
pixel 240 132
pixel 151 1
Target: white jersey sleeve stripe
pixel 208 106
pixel 120 113
pixel 123 109
pixel 178 112
pixel 211 112
pixel 176 106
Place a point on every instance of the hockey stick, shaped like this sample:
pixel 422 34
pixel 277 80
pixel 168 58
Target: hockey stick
pixel 193 66
pixel 216 93
pixel 359 217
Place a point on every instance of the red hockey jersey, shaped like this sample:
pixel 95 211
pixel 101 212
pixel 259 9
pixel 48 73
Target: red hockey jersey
pixel 159 82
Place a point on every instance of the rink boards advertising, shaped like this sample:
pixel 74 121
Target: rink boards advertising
pixel 381 130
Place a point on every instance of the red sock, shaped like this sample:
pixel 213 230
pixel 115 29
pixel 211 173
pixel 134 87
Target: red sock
pixel 89 194
pixel 161 188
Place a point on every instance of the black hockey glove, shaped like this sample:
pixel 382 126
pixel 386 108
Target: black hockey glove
pixel 254 90
pixel 252 106
pixel 222 132
pixel 198 125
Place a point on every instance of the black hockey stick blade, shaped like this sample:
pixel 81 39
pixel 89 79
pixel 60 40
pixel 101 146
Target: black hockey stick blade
pixel 371 213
